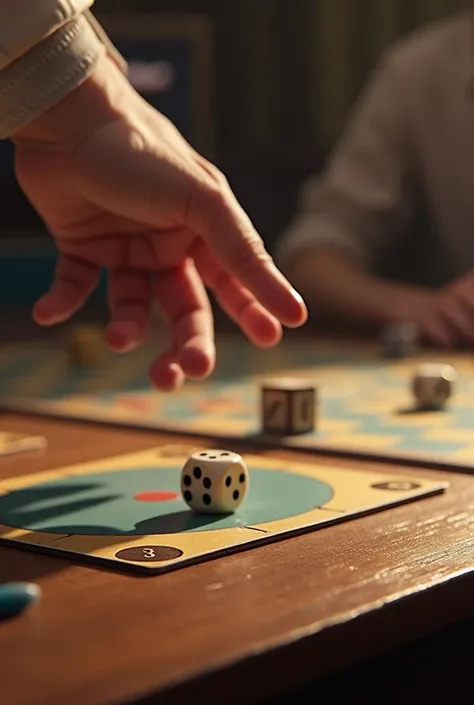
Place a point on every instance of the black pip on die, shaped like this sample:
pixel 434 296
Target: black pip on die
pixel 214 481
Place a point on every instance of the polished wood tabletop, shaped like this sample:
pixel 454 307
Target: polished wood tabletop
pixel 244 627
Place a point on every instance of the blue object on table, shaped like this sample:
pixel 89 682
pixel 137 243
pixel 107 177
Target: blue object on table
pixel 16 597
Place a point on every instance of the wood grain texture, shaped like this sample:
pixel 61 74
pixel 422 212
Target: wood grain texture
pixel 273 617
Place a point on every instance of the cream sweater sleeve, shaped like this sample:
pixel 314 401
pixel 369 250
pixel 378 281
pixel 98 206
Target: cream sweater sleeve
pixel 363 202
pixel 47 49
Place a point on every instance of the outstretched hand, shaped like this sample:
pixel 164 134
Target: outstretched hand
pixel 119 188
pixel 448 320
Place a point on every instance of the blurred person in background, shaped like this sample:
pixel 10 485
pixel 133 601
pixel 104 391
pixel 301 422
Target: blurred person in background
pixel 386 233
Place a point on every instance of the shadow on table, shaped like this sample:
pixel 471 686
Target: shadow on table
pixel 18 565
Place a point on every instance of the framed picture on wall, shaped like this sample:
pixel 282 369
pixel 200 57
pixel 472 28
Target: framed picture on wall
pixel 170 59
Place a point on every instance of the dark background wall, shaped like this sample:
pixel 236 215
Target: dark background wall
pixel 285 74
pixel 287 71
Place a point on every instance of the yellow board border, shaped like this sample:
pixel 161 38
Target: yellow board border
pixel 353 496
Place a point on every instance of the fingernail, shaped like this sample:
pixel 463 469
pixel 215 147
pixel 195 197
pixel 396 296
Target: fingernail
pixel 300 314
pixel 123 335
pixel 16 597
pixel 297 296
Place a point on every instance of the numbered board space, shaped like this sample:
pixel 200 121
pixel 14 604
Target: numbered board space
pixel 364 403
pixel 127 511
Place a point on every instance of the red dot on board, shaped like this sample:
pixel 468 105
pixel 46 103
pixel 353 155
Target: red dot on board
pixel 155 496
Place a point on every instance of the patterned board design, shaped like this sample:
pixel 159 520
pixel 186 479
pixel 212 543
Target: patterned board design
pixel 365 404
pixel 128 513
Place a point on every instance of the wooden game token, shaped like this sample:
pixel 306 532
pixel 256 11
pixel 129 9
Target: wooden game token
pixel 85 346
pixel 288 406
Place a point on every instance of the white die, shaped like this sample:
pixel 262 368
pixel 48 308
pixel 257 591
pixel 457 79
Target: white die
pixel 433 385
pixel 214 481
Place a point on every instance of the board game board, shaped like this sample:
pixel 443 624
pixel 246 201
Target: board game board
pixel 12 443
pixel 127 511
pixel 365 405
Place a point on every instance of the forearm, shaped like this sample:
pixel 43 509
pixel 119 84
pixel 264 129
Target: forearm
pixel 96 100
pixel 334 285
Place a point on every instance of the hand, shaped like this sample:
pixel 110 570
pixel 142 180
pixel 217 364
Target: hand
pixel 119 188
pixel 449 317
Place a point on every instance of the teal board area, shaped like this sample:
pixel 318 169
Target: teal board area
pixel 365 404
pixel 143 500
pixel 126 511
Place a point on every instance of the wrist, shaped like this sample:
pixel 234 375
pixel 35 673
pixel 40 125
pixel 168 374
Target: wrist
pixel 90 106
pixel 46 73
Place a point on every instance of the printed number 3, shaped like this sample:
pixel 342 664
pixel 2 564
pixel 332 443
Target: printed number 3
pixel 149 553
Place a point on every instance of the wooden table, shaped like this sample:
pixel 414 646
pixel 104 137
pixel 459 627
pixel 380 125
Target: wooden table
pixel 242 628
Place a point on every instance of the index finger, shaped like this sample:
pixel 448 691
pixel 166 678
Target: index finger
pixel 215 214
